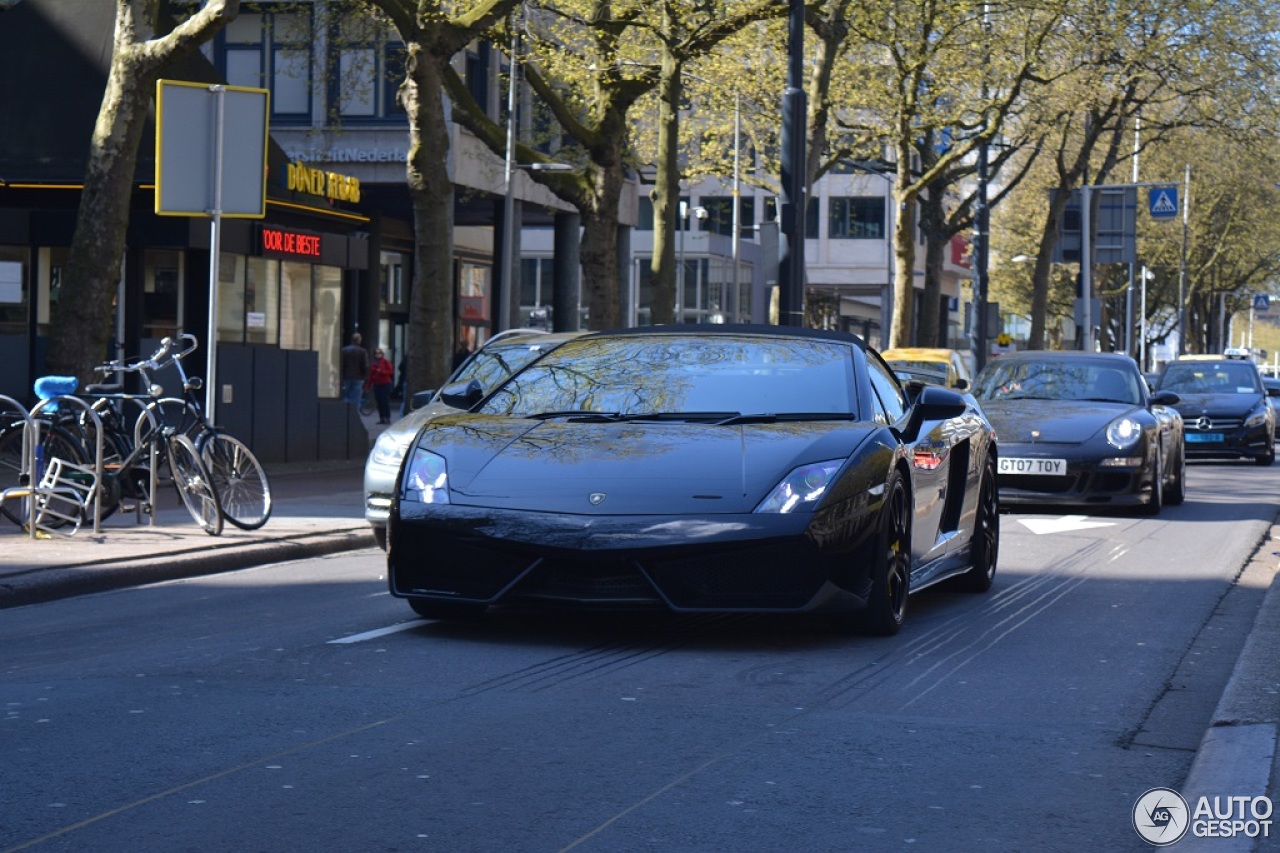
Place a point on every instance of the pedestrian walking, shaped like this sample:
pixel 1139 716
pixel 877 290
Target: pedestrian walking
pixel 381 374
pixel 355 370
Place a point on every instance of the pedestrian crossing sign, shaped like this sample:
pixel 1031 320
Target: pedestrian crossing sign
pixel 1162 202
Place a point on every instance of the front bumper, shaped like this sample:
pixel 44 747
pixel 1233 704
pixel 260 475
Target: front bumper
pixel 1226 439
pixel 1086 481
pixel 751 563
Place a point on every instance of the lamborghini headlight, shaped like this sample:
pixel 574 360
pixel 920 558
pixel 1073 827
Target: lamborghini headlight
pixel 426 478
pixel 802 488
pixel 1123 432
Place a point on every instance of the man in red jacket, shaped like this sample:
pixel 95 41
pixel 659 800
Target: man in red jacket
pixel 381 376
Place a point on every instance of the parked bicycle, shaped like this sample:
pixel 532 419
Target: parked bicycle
pixel 67 451
pixel 243 487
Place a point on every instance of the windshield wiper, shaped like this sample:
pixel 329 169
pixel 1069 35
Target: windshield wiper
pixel 577 414
pixel 773 417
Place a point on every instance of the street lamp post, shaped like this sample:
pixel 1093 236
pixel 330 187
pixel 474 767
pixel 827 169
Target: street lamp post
pixel 503 318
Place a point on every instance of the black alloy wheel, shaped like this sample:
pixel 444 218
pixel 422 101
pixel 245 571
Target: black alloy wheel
pixel 1266 458
pixel 887 604
pixel 985 549
pixel 1156 502
pixel 1177 491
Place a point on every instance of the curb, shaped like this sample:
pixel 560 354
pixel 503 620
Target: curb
pixel 67 581
pixel 1235 755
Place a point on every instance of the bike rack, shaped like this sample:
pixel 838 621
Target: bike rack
pixel 65 489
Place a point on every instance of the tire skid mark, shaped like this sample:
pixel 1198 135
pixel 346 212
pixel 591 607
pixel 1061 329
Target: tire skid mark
pixel 1011 606
pixel 599 660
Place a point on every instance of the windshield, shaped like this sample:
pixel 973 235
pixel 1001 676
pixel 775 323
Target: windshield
pixel 491 365
pixel 671 373
pixel 1057 379
pixel 1202 378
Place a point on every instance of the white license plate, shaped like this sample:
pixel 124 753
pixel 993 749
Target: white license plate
pixel 1018 465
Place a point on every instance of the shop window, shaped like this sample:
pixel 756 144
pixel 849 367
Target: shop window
pixel 392 269
pixel 231 271
pixel 271 50
pixel 295 305
pixel 161 293
pixel 328 329
pixel 14 289
pixel 261 301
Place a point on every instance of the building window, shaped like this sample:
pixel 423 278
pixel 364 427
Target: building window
pixel 720 214
pixel 261 301
pixel 392 290
pixel 271 50
pixel 857 218
pixel 370 60
pixel 231 273
pixel 14 275
pixel 161 293
pixel 537 277
pixel 477 74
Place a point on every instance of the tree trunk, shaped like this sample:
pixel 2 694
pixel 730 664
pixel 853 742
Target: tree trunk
pixel 431 328
pixel 598 254
pixel 666 194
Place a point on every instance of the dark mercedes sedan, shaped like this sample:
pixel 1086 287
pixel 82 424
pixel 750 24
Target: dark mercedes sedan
pixel 1224 406
pixel 1081 428
pixel 697 469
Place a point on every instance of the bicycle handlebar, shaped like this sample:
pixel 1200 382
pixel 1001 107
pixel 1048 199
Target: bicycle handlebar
pixel 162 357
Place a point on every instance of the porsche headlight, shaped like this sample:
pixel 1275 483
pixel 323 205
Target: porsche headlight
pixel 388 451
pixel 1123 432
pixel 802 488
pixel 1257 417
pixel 426 479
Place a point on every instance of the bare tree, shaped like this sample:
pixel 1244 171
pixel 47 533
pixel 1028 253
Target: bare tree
pixel 82 319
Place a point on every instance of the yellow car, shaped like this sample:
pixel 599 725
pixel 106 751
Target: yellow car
pixel 935 366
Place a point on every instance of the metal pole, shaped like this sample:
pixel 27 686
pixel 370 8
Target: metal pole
pixel 503 318
pixel 684 226
pixel 791 199
pixel 736 241
pixel 1142 323
pixel 1182 266
pixel 1086 266
pixel 981 236
pixel 215 244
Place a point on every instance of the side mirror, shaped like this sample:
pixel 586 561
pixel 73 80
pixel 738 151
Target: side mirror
pixel 1165 398
pixel 934 403
pixel 462 395
pixel 962 385
pixel 420 399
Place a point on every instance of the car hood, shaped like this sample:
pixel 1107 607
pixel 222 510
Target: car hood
pixel 1053 421
pixel 1192 406
pixel 643 468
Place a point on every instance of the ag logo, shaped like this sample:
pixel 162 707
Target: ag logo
pixel 1161 816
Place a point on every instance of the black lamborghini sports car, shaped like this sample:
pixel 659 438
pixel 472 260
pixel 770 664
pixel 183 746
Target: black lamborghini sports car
pixel 698 469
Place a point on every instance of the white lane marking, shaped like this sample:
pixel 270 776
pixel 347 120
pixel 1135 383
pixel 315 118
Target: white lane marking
pixel 380 632
pixel 1062 525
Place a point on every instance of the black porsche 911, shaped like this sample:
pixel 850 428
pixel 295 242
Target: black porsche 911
pixel 698 469
pixel 1081 428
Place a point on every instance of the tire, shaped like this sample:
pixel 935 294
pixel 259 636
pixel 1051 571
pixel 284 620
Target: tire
pixel 194 484
pixel 380 535
pixel 891 583
pixel 986 536
pixel 1177 491
pixel 1153 506
pixel 174 412
pixel 1267 458
pixel 244 492
pixel 55 442
pixel 429 608
pixel 367 404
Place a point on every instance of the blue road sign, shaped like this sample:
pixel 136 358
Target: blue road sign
pixel 1261 302
pixel 1162 202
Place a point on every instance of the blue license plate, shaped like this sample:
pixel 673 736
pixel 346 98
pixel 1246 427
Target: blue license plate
pixel 1203 437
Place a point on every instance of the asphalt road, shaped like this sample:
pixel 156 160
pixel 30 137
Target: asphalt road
pixel 298 706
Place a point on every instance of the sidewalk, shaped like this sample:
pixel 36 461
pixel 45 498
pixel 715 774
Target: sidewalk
pixel 317 508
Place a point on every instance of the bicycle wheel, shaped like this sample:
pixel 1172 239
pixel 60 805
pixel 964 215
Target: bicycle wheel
pixel 194 484
pixel 243 489
pixel 55 443
pixel 367 404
